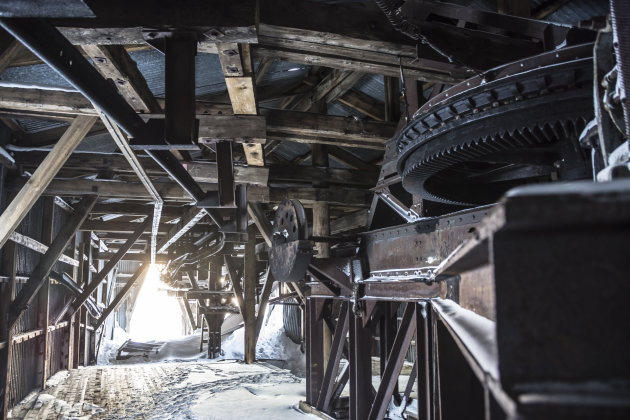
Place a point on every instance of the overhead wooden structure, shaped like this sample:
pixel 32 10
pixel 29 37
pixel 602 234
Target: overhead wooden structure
pixel 169 133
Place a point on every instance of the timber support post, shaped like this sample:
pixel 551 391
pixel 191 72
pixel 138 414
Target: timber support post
pixel 249 295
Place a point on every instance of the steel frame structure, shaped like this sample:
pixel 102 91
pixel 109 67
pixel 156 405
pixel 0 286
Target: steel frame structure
pixel 491 338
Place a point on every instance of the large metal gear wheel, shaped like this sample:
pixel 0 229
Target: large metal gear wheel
pixel 512 125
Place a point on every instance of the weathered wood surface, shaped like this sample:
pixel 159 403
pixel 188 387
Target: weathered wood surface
pixel 35 186
pixel 281 125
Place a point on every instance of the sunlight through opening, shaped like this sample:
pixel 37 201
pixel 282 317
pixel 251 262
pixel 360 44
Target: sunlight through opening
pixel 156 316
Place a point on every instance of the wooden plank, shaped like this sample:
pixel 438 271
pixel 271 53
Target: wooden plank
pixel 547 8
pixel 109 266
pixel 115 64
pixel 363 103
pixel 321 227
pixel 334 196
pixel 123 144
pixel 138 277
pixel 191 317
pixel 9 54
pixel 241 90
pixel 323 88
pixel 35 186
pixel 230 263
pixel 349 159
pixel 43 304
pixel 352 221
pixel 201 171
pixel 118 227
pixel 240 128
pixel 327 126
pixel 343 87
pixel 36 246
pixel 263 303
pixel 239 79
pixel 189 219
pixel 279 122
pixel 306 174
pixel 9 267
pixel 257 214
pixel 43 268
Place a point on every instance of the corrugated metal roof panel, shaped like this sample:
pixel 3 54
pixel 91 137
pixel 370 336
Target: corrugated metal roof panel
pixel 34 126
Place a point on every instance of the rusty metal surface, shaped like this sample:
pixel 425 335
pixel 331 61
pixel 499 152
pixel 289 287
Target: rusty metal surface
pixel 412 251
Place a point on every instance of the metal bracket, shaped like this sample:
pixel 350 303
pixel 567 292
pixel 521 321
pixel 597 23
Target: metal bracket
pixel 395 204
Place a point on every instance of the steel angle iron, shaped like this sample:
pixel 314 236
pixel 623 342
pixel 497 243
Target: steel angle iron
pixel 291 250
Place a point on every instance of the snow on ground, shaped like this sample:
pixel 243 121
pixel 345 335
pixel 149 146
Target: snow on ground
pixel 272 344
pixel 109 347
pixel 205 390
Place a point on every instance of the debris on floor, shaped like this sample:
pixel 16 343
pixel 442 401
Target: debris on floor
pixel 207 390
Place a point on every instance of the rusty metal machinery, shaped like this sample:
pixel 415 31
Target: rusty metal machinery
pixel 499 307
pixel 516 124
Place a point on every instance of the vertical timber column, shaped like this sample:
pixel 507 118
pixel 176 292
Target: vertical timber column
pixel 214 320
pixel 9 268
pixel 72 321
pixel 314 349
pixel 85 316
pixel 43 298
pixel 321 226
pixel 251 278
pixel 360 368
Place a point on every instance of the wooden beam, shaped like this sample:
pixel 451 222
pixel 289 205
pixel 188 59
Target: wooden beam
pixel 306 174
pixel 230 264
pixel 132 256
pixel 363 103
pixel 257 214
pixel 350 159
pixel 343 87
pixel 250 276
pixel 189 219
pixel 170 191
pixel 123 144
pixel 118 227
pixel 109 266
pixel 238 70
pixel 324 88
pixel 281 124
pixel 336 350
pixel 35 186
pixel 188 310
pixel 37 246
pixel 352 221
pixel 115 64
pixel 131 209
pixel 9 267
pixel 9 54
pixel 201 171
pixel 46 263
pixel 138 277
pixel 548 8
pixel 263 303
pixel 43 297
pixel 307 127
